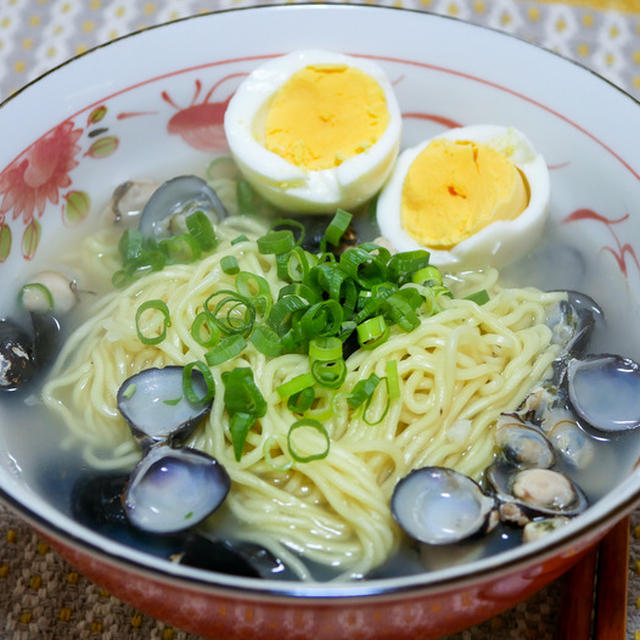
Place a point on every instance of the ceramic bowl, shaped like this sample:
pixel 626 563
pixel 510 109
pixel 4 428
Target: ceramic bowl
pixel 152 105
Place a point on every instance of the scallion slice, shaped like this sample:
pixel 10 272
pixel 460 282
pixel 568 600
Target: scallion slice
pixel 362 391
pixel 233 313
pixel 427 276
pixel 295 385
pixel 266 341
pixel 201 229
pixel 312 424
pixel 328 348
pixel 229 265
pixel 393 379
pixel 204 330
pixel 322 319
pixel 269 444
pixel 338 225
pixel 373 332
pixel 301 401
pixel 183 249
pixel 187 382
pixel 153 305
pixel 226 349
pixel 479 297
pixel 329 373
pixel 239 239
pixel 276 242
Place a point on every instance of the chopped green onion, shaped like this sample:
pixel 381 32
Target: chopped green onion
pixel 269 443
pixel 121 279
pixel 36 297
pixel 241 392
pixel 172 403
pixel 130 245
pixel 327 348
pixel 250 285
pixel 244 403
pixel 393 379
pixel 280 223
pixel 202 230
pixel 403 265
pixel 401 312
pixel 227 348
pixel 301 401
pixel 239 239
pixel 329 373
pixel 322 319
pixel 276 242
pixel 234 313
pixel 295 265
pixel 428 276
pixel 338 225
pixel 187 382
pixel 155 305
pixel 479 297
pixel 362 391
pixel 295 385
pixel 364 267
pixel 266 341
pixel 301 290
pixel 372 332
pixel 229 265
pixel 183 249
pixel 282 313
pixel 244 195
pixel 130 390
pixel 204 330
pixel 313 424
pixel 385 410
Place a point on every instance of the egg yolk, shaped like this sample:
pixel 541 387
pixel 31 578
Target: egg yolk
pixel 453 189
pixel 324 115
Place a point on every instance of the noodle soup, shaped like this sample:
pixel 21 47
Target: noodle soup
pixel 318 374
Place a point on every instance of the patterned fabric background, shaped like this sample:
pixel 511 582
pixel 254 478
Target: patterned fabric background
pixel 41 596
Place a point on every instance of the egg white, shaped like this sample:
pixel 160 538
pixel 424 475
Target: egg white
pixel 496 244
pixel 296 188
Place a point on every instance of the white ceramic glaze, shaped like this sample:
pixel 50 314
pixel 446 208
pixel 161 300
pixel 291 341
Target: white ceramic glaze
pixel 445 73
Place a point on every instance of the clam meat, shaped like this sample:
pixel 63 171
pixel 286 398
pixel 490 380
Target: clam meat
pixel 536 492
pixel 521 444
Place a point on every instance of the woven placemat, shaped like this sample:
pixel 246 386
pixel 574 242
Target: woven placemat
pixel 41 596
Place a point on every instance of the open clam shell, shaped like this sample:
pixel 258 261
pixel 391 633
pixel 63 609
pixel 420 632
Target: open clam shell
pixel 604 391
pixel 536 492
pixel 521 444
pixel 153 403
pixel 179 196
pixel 572 322
pixel 174 489
pixel 437 505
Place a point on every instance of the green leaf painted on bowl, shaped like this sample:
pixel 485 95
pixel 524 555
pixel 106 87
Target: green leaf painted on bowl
pixel 31 239
pixel 77 207
pixel 103 147
pixel 5 241
pixel 97 114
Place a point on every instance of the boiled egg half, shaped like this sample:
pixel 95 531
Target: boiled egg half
pixel 315 130
pixel 473 196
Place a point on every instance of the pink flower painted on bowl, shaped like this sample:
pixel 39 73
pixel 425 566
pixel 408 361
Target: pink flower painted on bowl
pixel 38 174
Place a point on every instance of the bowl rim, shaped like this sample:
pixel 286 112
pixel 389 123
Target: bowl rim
pixel 251 588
